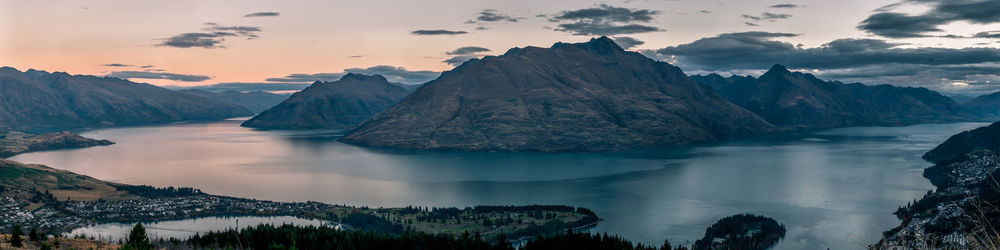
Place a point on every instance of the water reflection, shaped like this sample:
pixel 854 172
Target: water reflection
pixel 832 188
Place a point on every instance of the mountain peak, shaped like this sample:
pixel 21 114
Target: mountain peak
pixel 363 77
pixel 600 44
pixel 778 68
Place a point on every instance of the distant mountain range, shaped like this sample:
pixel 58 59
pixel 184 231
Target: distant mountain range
pixel 41 101
pixel 332 105
pixel 591 96
pixel 256 101
pixel 986 106
pixel 798 100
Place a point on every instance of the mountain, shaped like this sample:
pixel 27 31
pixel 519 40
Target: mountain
pixel 981 138
pixel 38 100
pixel 591 96
pixel 332 105
pixel 245 87
pixel 256 101
pixel 798 100
pixel 986 106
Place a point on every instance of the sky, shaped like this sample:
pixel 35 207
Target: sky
pixel 952 46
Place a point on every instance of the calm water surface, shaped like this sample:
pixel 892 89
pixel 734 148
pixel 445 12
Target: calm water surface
pixel 182 229
pixel 834 188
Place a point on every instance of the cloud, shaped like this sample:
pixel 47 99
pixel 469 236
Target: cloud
pixel 766 16
pixel 887 23
pixel 117 65
pixel 705 11
pixel 355 56
pixel 213 37
pixel 262 14
pixel 146 66
pixel 391 73
pixel 463 54
pixel 158 75
pixel 605 20
pixel 867 60
pixel 467 50
pixel 785 6
pixel 437 32
pixel 492 15
pixel 627 42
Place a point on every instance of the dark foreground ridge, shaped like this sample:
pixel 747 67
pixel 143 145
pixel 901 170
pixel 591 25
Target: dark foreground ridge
pixel 591 96
pixel 962 212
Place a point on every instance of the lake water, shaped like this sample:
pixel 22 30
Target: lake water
pixel 833 188
pixel 182 229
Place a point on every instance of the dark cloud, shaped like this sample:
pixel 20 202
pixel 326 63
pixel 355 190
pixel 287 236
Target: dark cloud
pixel 213 37
pixel 605 20
pixel 437 32
pixel 146 66
pixel 785 6
pixel 766 16
pixel 464 54
pixel 117 65
pixel 988 34
pixel 492 15
pixel 942 12
pixel 355 56
pixel 392 73
pixel 627 42
pixel 467 50
pixel 864 60
pixel 458 60
pixel 705 11
pixel 262 14
pixel 158 75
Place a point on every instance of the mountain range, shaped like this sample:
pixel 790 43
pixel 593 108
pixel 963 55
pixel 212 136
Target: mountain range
pixel 342 104
pixel 591 96
pixel 255 101
pixel 799 100
pixel 986 105
pixel 38 100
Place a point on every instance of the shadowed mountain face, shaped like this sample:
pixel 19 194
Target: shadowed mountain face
pixel 981 138
pixel 38 100
pixel 797 100
pixel 987 106
pixel 590 96
pixel 332 105
pixel 256 101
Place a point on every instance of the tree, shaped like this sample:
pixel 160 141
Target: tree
pixel 137 239
pixel 34 235
pixel 15 237
pixel 666 245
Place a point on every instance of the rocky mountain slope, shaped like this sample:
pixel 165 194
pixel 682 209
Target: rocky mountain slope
pixel 981 138
pixel 256 101
pixel 38 101
pixel 591 96
pixel 799 100
pixel 332 105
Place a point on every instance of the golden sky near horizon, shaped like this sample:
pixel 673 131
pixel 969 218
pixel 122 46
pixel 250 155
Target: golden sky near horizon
pixel 308 37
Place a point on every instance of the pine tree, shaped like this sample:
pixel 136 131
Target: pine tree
pixel 137 239
pixel 34 235
pixel 15 237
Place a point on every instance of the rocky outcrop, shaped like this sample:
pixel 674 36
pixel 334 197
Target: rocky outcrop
pixel 591 96
pixel 798 100
pixel 332 105
pixel 42 101
pixel 14 143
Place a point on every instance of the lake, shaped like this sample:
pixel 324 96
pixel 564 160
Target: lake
pixel 832 188
pixel 183 229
